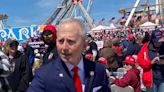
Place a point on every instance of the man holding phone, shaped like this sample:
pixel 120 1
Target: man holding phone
pixel 150 59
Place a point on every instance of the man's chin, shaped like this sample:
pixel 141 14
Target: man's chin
pixel 64 60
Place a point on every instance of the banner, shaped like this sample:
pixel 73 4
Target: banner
pixel 20 34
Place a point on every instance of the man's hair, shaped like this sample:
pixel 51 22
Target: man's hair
pixel 82 30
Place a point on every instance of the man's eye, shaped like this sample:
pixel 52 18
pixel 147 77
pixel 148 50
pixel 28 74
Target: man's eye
pixel 61 41
pixel 71 42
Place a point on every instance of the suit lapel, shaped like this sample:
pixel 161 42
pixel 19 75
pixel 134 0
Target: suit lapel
pixel 89 67
pixel 65 76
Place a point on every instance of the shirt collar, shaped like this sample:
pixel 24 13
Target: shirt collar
pixel 80 65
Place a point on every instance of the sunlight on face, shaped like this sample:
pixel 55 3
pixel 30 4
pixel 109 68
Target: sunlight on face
pixel 70 43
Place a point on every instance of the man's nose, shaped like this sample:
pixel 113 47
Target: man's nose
pixel 65 45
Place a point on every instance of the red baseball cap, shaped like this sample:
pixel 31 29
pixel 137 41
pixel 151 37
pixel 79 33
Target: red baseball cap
pixel 130 60
pixel 130 37
pixel 89 56
pixel 51 28
pixel 102 60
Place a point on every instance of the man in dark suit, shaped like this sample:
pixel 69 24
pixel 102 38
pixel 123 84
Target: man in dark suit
pixel 70 72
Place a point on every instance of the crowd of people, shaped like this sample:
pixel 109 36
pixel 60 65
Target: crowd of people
pixel 72 61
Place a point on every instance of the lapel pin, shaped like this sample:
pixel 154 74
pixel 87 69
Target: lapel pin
pixel 91 73
pixel 61 75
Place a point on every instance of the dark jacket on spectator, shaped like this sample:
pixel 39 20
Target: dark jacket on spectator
pixel 50 54
pixel 132 49
pixel 29 51
pixel 22 75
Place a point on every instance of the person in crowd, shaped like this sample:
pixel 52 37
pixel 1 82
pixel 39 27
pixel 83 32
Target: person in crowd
pixel 117 46
pixel 124 44
pixel 29 51
pixel 37 63
pixel 49 38
pixel 89 56
pixel 103 61
pixel 5 68
pixel 6 46
pixel 131 77
pixel 146 38
pixel 110 54
pixel 71 71
pixel 133 47
pixel 1 44
pixel 22 73
pixel 149 58
pixel 92 47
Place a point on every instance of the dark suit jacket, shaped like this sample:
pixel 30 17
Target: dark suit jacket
pixel 55 77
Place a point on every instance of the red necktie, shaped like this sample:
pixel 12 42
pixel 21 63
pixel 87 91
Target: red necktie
pixel 77 80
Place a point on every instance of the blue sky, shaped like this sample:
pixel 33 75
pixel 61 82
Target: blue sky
pixel 35 12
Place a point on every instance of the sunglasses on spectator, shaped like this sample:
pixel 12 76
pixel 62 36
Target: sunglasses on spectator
pixel 48 36
pixel 125 64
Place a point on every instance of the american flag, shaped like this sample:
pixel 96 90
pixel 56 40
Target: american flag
pixel 77 1
pixel 123 19
pixel 101 22
pixel 112 20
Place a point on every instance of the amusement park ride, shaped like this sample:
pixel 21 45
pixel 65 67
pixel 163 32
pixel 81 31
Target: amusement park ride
pixel 75 8
pixel 68 8
pixel 157 8
pixel 2 17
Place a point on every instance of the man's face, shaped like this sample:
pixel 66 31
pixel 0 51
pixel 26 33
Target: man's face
pixel 157 44
pixel 48 37
pixel 13 50
pixel 69 43
pixel 24 45
pixel 127 66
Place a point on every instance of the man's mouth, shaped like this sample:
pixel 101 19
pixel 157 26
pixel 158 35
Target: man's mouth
pixel 66 54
